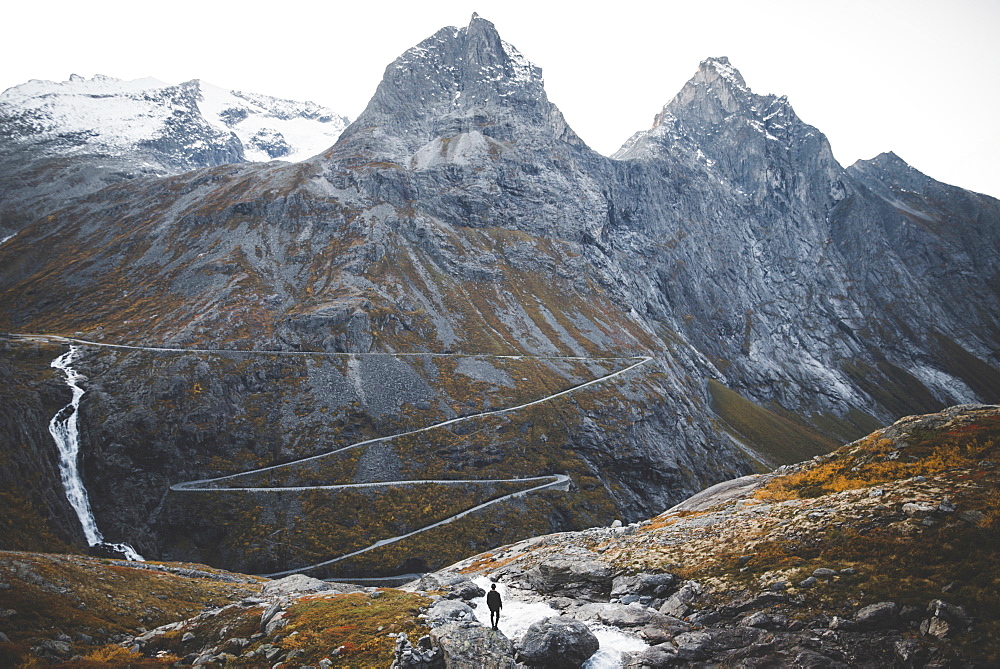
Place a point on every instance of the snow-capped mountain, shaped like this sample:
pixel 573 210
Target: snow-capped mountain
pixel 63 140
pixel 188 121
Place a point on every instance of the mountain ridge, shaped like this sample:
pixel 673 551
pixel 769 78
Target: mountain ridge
pixel 786 304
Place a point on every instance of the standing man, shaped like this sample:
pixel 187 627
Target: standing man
pixel 493 601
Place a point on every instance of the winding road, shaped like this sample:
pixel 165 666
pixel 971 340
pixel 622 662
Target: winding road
pixel 210 485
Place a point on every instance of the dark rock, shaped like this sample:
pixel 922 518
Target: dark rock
pixel 883 615
pixel 972 517
pixel 678 604
pixel 557 643
pixel 944 620
pixel 950 612
pixel 838 623
pixel 698 643
pixel 422 656
pixel 705 618
pixel 809 659
pixel 752 602
pixel 53 648
pixel 910 652
pixel 654 657
pixel 765 621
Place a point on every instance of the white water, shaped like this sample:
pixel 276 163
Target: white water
pixel 517 616
pixel 65 429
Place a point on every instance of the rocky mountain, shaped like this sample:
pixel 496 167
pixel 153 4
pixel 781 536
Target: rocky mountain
pixel 63 140
pixel 460 301
pixel 882 553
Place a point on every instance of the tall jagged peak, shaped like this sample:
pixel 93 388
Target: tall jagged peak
pixel 457 80
pixel 712 69
pixel 716 104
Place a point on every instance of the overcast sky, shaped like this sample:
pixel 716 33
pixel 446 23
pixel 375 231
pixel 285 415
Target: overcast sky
pixel 918 77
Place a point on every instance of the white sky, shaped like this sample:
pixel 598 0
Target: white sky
pixel 918 77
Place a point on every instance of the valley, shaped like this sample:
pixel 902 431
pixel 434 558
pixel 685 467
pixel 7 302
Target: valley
pixel 454 329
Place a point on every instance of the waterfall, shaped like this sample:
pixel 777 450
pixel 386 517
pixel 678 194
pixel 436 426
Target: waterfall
pixel 65 429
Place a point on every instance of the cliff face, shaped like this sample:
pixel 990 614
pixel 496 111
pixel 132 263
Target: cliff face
pixel 808 284
pixel 785 303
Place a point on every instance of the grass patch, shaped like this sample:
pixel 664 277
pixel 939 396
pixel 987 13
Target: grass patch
pixel 358 623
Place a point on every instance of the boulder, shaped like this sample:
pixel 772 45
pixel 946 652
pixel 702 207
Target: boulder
pixel 446 611
pixel 465 645
pixel 918 509
pixel 944 619
pixel 631 615
pixel 654 657
pixel 557 643
pixel 954 614
pixel 764 621
pixel 651 585
pixel 678 604
pixel 883 615
pixel 454 586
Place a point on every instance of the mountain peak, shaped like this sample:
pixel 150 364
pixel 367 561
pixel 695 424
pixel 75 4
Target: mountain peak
pixel 458 80
pixel 715 68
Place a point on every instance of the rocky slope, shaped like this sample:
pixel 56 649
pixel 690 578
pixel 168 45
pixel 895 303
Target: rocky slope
pixel 787 305
pixel 60 141
pixel 882 553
